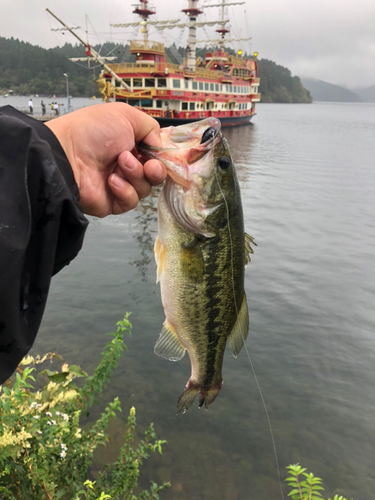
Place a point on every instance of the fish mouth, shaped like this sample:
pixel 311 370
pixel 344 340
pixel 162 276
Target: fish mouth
pixel 184 146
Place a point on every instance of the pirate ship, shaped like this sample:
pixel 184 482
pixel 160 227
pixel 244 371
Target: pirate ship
pixel 219 84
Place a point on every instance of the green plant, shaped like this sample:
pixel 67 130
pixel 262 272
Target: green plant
pixel 45 454
pixel 308 488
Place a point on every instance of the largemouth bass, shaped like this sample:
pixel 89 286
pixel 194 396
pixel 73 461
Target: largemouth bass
pixel 201 252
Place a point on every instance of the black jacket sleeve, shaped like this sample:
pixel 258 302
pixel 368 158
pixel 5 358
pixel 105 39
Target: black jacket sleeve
pixel 41 228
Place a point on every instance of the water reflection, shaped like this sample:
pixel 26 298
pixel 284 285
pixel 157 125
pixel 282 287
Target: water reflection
pixel 145 235
pixel 242 142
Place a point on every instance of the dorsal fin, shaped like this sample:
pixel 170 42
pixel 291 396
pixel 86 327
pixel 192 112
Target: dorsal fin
pixel 168 345
pixel 238 335
pixel 248 250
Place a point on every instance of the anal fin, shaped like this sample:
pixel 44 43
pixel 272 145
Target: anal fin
pixel 238 335
pixel 168 345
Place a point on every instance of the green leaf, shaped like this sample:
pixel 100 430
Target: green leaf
pixel 77 371
pixel 58 377
pixel 293 492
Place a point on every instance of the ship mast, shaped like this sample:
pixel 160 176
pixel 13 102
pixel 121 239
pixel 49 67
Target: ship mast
pixel 91 52
pixel 143 11
pixel 222 31
pixel 192 11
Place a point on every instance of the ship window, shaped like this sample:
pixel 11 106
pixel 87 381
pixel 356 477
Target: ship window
pixel 200 85
pixel 146 103
pixel 162 82
pixel 186 84
pixel 127 81
pixel 184 106
pixel 235 88
pixel 231 88
pixel 192 106
pixel 133 102
pixel 159 104
pixel 205 86
pixel 176 84
pixel 137 82
pixel 211 86
pixel 221 88
pixel 149 82
pixel 195 85
pixel 216 87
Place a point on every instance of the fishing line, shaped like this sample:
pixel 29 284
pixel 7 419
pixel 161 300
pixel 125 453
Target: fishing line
pixel 244 343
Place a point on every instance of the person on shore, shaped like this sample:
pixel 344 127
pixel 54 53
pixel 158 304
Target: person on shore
pixel 31 106
pixel 43 108
pixel 53 173
pixel 56 108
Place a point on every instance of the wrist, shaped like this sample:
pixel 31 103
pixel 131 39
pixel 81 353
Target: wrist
pixel 62 133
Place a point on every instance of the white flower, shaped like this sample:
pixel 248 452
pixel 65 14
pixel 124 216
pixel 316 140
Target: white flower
pixel 57 413
pixel 49 423
pixel 65 416
pixel 39 432
pixel 33 405
pixel 63 446
pixel 48 414
pixel 54 423
pixel 36 416
pixel 63 454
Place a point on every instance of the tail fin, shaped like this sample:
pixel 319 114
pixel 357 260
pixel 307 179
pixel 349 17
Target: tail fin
pixel 206 397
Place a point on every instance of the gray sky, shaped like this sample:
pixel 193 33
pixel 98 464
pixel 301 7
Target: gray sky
pixel 331 40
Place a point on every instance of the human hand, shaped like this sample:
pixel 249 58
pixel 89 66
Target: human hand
pixel 99 143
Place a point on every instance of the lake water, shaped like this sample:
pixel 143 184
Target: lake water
pixel 307 175
pixel 21 103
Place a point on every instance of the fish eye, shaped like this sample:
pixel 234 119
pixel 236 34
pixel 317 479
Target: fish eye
pixel 208 134
pixel 224 162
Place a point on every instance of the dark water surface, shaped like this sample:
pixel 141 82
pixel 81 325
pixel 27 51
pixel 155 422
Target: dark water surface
pixel 307 174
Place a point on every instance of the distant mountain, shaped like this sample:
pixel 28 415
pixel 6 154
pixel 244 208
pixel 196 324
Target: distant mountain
pixel 368 94
pixel 278 85
pixel 324 91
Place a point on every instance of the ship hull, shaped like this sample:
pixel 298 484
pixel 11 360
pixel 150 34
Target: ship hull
pixel 230 121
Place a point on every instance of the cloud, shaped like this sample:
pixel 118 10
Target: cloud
pixel 332 40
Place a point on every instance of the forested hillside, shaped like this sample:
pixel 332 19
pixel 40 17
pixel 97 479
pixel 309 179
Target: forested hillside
pixel 278 85
pixel 28 70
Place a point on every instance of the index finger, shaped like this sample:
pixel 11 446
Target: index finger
pixel 146 129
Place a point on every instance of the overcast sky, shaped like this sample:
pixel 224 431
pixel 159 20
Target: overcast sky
pixel 331 40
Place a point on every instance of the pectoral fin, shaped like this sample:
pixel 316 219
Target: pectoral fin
pixel 159 251
pixel 248 250
pixel 168 345
pixel 238 335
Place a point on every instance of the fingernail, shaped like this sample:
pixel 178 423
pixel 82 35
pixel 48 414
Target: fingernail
pixel 117 181
pixel 158 171
pixel 131 163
